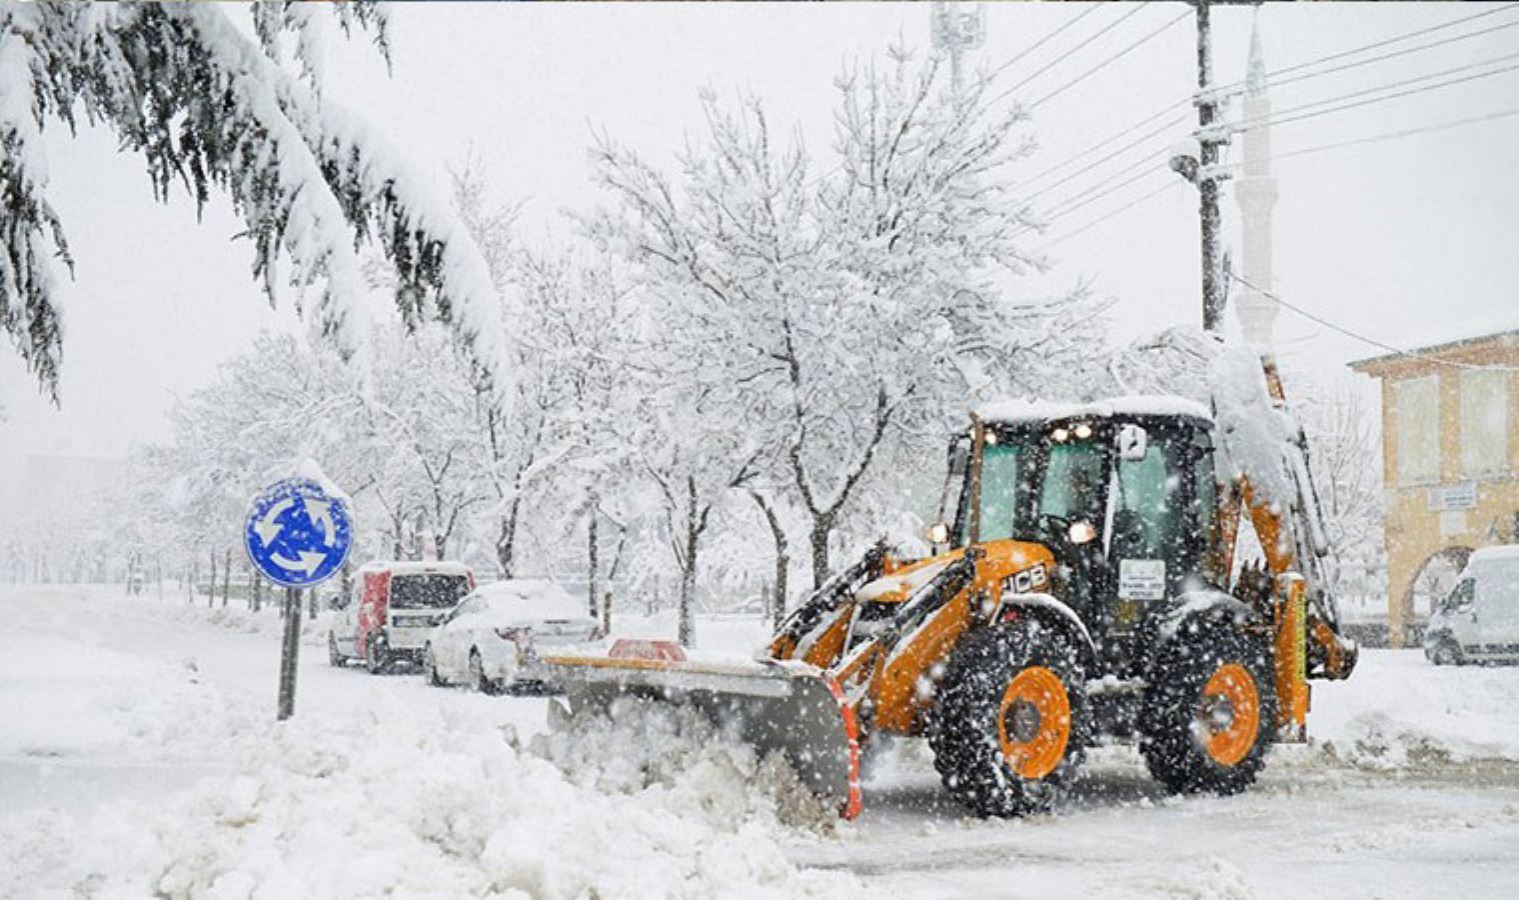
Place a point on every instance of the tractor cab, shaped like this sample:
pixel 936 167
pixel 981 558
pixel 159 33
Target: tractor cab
pixel 1122 493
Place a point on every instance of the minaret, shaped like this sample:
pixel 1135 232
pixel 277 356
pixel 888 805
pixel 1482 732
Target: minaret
pixel 1256 191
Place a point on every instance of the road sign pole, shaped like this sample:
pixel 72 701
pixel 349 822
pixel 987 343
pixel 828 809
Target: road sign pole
pixel 290 652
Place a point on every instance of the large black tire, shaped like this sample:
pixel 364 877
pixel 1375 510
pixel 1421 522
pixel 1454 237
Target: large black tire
pixel 1010 726
pixel 1209 712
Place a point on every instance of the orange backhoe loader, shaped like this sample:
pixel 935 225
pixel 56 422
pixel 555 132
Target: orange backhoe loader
pixel 1083 588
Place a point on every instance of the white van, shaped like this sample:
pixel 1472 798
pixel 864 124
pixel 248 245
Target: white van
pixel 392 609
pixel 1479 620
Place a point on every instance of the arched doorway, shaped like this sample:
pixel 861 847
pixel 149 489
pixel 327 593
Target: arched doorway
pixel 1433 580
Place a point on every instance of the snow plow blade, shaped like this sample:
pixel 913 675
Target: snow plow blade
pixel 790 707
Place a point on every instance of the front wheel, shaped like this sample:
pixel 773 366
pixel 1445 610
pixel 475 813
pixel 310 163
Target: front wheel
pixel 430 666
pixel 1010 726
pixel 1445 653
pixel 1209 712
pixel 477 678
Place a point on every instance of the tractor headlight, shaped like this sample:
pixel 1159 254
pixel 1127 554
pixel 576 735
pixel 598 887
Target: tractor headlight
pixel 938 533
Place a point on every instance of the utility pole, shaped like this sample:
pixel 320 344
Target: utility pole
pixel 1212 136
pixel 955 32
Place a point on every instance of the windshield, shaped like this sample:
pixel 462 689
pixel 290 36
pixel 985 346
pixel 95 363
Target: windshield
pixel 1026 476
pixel 427 591
pixel 1073 482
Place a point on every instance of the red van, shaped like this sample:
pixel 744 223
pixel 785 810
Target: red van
pixel 392 608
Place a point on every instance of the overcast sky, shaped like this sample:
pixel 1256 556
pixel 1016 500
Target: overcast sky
pixel 1405 240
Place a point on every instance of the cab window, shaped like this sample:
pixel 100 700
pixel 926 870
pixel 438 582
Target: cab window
pixel 1073 479
pixel 999 491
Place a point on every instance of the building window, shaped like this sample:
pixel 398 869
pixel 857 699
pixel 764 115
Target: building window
pixel 1484 422
pixel 1418 408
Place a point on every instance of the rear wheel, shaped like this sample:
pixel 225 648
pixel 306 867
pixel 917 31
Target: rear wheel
pixel 1209 712
pixel 376 655
pixel 1010 725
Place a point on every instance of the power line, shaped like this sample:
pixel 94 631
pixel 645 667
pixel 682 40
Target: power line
pixel 1168 124
pixel 1044 40
pixel 1386 56
pixel 1372 342
pixel 1094 147
pixel 1115 57
pixel 1146 160
pixel 1274 80
pixel 1391 135
pixel 1073 51
pixel 1280 119
pixel 1272 76
pixel 1168 185
pixel 1061 212
pixel 1386 87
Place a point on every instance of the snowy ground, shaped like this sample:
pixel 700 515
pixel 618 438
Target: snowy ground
pixel 138 758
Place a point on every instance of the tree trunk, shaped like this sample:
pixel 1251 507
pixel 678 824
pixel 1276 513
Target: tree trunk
pixel 591 564
pixel 211 584
pixel 258 591
pixel 822 527
pixel 687 628
pixel 506 543
pixel 226 576
pixel 782 558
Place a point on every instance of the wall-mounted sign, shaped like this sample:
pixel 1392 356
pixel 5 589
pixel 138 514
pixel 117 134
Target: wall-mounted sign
pixel 1453 496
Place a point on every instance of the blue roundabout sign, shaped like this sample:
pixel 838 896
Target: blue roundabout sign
pixel 297 534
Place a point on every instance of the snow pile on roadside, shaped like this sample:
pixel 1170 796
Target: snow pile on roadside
pixel 1398 709
pixel 58 703
pixel 436 805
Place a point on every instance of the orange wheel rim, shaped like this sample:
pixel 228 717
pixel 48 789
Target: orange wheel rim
pixel 1034 722
pixel 1229 716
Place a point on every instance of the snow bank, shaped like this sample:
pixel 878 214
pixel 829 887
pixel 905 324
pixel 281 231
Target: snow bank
pixel 635 804
pixel 1398 709
pixel 60 703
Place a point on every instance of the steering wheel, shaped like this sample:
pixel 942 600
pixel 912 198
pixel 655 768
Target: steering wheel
pixel 1058 527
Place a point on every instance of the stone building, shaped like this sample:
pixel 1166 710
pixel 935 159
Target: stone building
pixel 1450 456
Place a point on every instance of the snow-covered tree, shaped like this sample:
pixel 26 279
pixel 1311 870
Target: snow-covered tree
pixel 859 308
pixel 211 107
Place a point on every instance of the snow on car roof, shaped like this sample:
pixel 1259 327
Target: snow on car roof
pixel 1023 410
pixel 522 587
pixel 525 599
pixel 412 567
pixel 1489 554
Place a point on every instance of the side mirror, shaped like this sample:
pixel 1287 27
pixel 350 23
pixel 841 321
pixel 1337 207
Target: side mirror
pixel 1133 441
pixel 937 533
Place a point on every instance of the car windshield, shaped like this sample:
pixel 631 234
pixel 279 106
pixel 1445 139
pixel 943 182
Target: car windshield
pixel 427 591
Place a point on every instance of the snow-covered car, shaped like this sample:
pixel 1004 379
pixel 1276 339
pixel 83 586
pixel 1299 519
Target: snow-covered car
pixel 490 641
pixel 1478 621
pixel 392 609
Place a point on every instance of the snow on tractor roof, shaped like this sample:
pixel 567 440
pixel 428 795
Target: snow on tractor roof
pixel 412 567
pixel 1020 410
